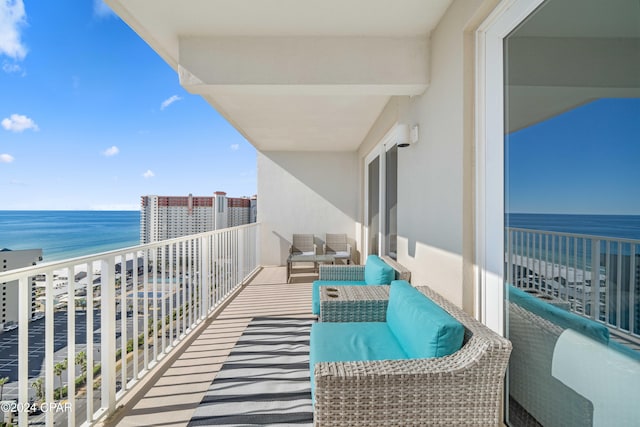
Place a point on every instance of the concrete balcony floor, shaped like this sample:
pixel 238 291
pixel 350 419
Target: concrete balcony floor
pixel 173 397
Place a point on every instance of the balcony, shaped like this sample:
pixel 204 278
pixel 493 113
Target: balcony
pixel 595 277
pixel 135 310
pixel 188 300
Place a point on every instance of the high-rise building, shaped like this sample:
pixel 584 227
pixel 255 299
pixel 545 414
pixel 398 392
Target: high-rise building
pixel 167 217
pixel 11 260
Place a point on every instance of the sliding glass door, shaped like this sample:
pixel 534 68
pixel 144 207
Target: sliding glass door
pixel 373 210
pixel 572 214
pixel 381 203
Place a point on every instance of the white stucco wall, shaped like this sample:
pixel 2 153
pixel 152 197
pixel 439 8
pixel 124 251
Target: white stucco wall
pixel 305 192
pixel 320 192
pixel 435 176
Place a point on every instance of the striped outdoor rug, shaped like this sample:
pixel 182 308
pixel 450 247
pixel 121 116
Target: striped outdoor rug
pixel 265 380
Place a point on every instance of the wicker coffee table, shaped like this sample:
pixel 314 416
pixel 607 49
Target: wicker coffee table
pixel 354 303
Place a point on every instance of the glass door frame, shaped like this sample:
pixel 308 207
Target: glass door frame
pixel 489 139
pixel 379 152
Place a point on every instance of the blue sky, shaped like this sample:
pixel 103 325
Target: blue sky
pixel 92 118
pixel 585 161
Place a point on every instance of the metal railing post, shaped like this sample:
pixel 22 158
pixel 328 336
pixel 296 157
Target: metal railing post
pixel 24 314
pixel 107 335
pixel 595 279
pixel 209 267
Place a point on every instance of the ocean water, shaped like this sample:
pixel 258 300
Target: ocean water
pixel 620 226
pixel 68 234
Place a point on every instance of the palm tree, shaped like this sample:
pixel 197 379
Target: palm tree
pixel 59 368
pixel 81 359
pixel 3 381
pixel 37 386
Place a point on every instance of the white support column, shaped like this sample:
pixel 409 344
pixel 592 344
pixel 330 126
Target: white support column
pixel 242 267
pixel 89 340
pixel 145 308
pixel 71 345
pixel 595 279
pixel 172 297
pixel 108 335
pixel 123 321
pixel 258 245
pixel 183 283
pixel 204 276
pixel 154 301
pixel 163 294
pixel 49 345
pixel 24 313
pixel 135 312
pixel 489 122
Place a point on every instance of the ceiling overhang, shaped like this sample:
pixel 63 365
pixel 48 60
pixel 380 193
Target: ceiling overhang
pixel 304 65
pixel 293 75
pixel 558 59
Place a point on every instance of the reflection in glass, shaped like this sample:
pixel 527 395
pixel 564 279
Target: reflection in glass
pixel 572 238
pixel 374 205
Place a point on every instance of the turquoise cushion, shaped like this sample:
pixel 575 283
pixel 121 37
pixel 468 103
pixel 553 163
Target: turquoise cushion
pixel 563 318
pixel 356 341
pixel 377 272
pixel 421 326
pixel 315 291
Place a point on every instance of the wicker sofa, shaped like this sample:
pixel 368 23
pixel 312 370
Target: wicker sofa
pixel 464 388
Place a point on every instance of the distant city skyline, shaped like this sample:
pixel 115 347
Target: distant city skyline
pixel 92 118
pixel 585 161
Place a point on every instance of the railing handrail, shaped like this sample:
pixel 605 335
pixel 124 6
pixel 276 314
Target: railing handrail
pixel 146 298
pixel 15 274
pixel 579 235
pixel 611 299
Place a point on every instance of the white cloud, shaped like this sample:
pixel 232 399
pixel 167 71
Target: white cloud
pixel 12 18
pixel 111 151
pixel 234 147
pixel 169 101
pixel 9 67
pixel 19 123
pixel 101 9
pixel 6 158
pixel 149 174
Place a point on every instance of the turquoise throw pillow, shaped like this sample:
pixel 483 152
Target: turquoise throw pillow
pixel 377 272
pixel 422 327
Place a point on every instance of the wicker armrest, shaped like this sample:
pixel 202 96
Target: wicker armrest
pixel 464 388
pixel 453 390
pixel 341 272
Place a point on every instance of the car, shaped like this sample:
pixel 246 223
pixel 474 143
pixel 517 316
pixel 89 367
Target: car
pixel 35 408
pixel 10 326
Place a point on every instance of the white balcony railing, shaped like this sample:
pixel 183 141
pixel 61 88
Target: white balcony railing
pixel 112 317
pixel 597 277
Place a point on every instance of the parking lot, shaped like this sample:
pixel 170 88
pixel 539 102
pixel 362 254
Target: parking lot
pixel 9 347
